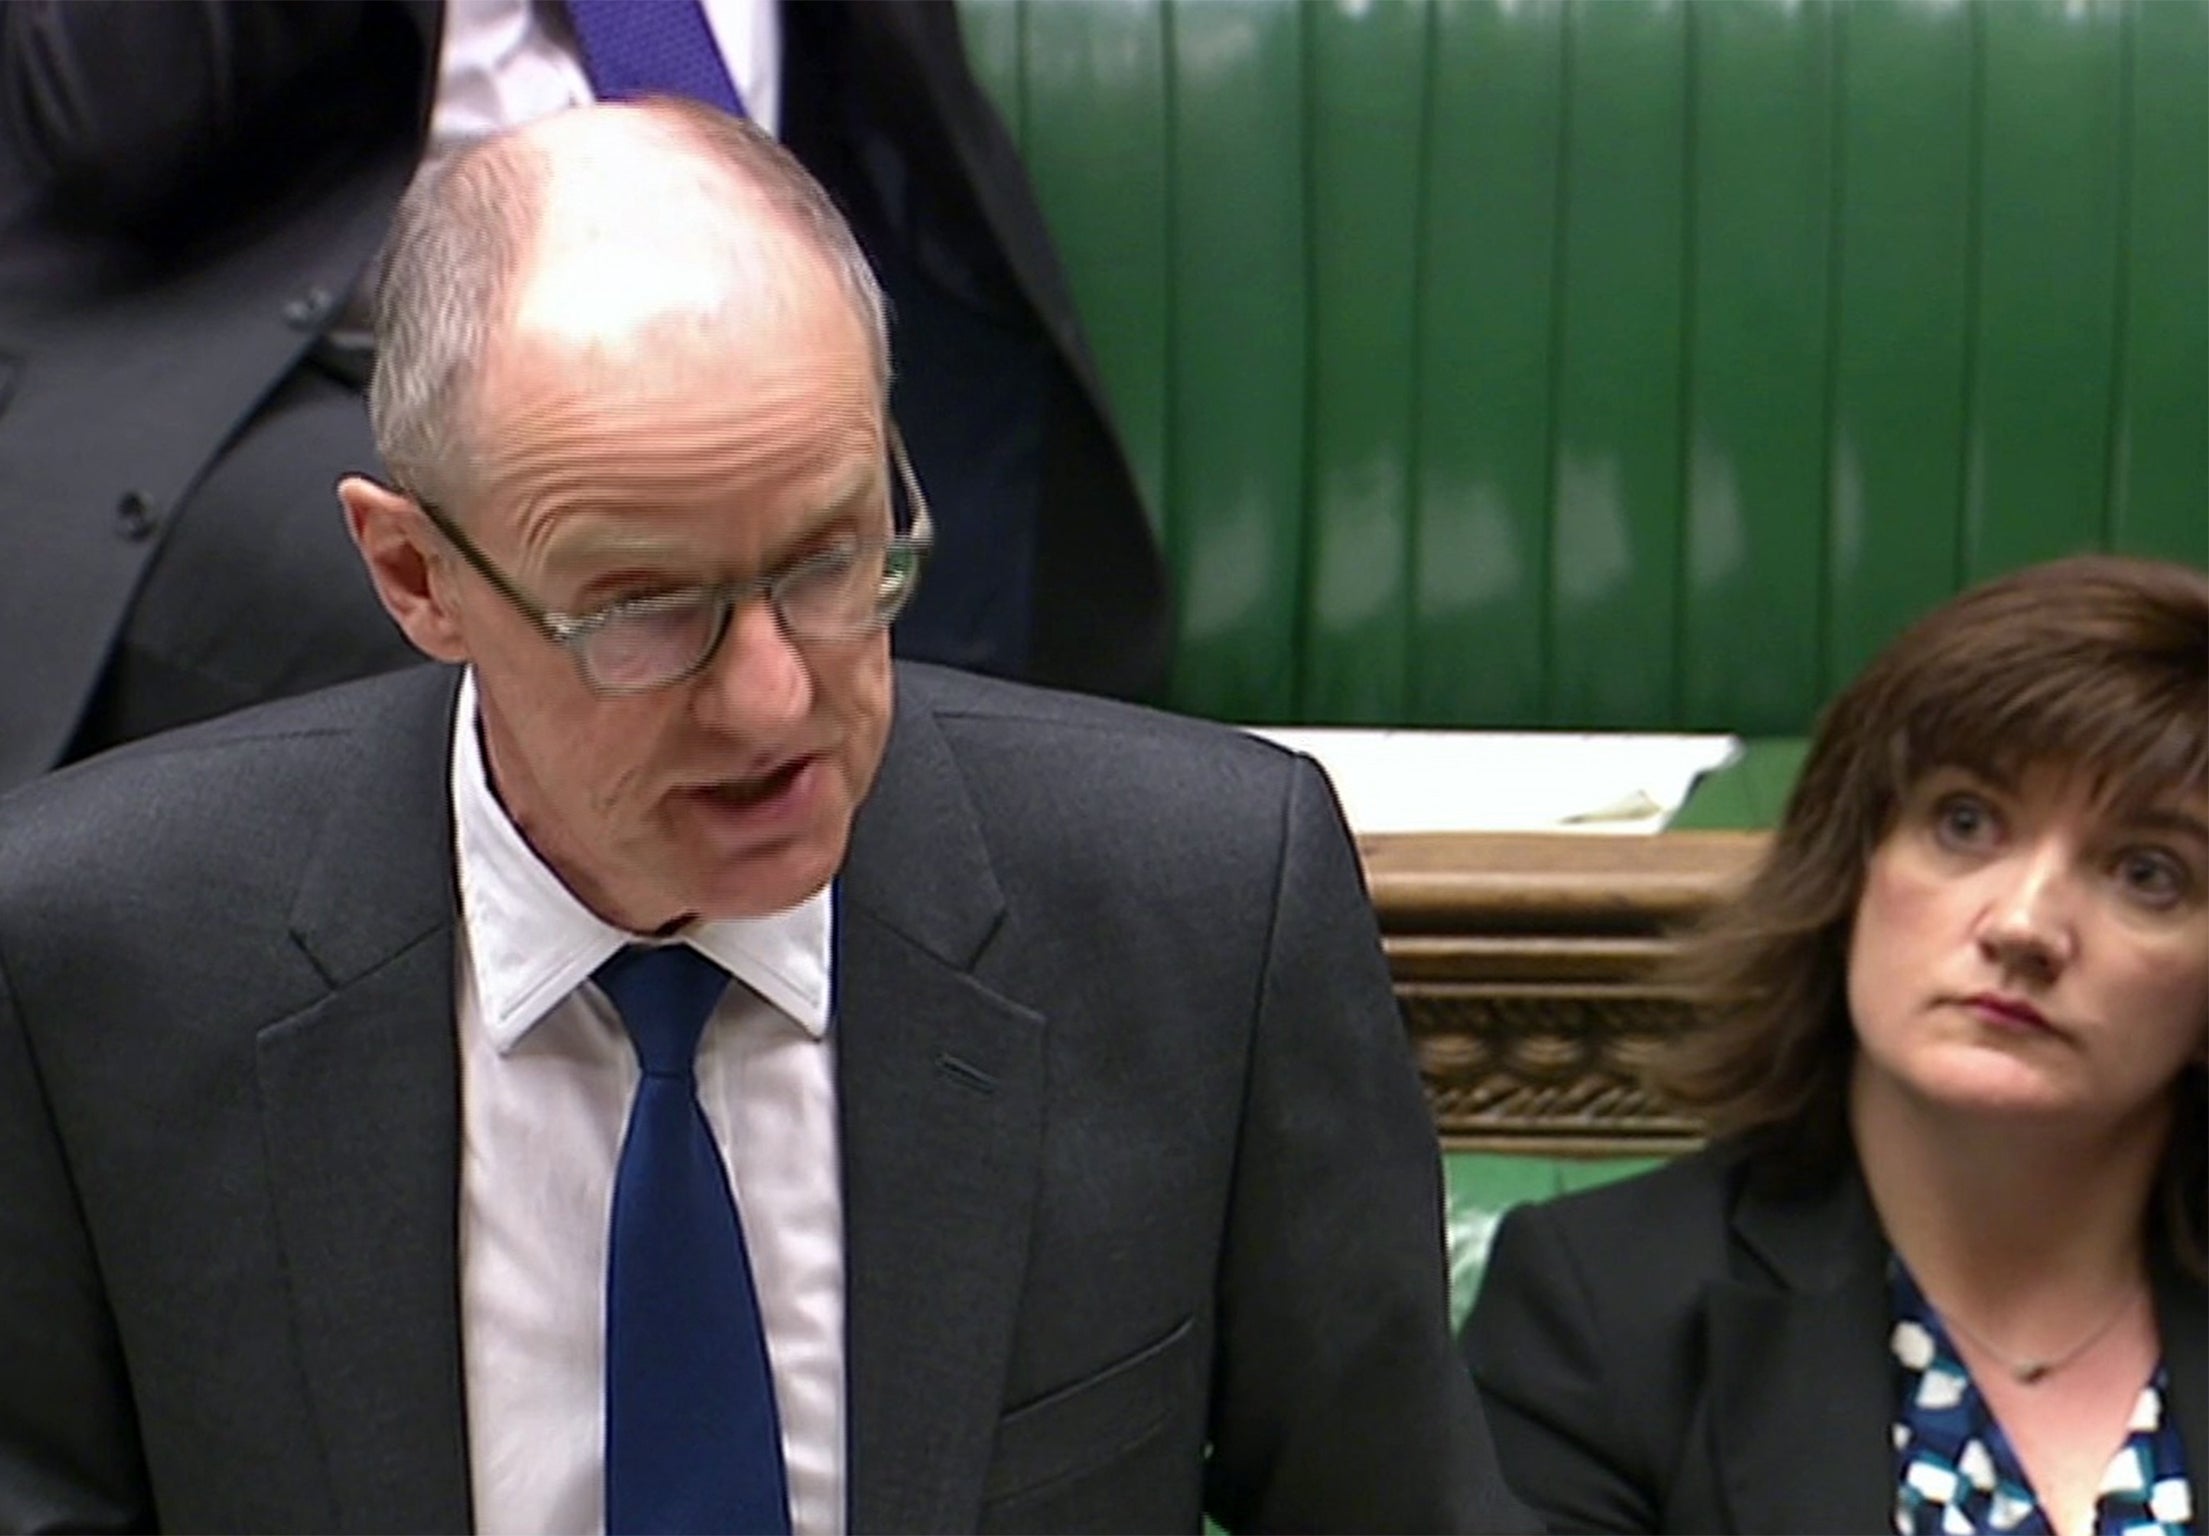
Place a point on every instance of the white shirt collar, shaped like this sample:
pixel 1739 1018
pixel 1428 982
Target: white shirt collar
pixel 531 942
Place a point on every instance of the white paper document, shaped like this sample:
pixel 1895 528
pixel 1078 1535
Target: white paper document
pixel 1507 781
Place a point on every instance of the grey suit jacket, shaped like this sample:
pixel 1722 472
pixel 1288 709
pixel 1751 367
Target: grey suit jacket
pixel 1134 1161
pixel 1697 1349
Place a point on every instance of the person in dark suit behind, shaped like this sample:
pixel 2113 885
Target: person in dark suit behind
pixel 1060 1124
pixel 1943 1269
pixel 190 195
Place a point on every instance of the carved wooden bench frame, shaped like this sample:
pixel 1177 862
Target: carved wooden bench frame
pixel 1522 966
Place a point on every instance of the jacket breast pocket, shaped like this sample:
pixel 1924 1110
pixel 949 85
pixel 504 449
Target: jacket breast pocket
pixel 1091 1422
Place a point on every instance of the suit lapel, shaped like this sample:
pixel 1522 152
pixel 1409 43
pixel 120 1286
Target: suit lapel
pixel 2182 1322
pixel 918 63
pixel 1802 1394
pixel 360 1110
pixel 941 1104
pixel 1802 1384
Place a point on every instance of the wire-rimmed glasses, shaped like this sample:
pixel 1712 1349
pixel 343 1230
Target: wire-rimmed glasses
pixel 847 590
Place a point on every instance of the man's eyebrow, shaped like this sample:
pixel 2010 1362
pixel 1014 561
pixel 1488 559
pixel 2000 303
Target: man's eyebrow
pixel 588 550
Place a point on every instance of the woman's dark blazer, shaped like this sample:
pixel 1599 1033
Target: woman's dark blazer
pixel 1701 1349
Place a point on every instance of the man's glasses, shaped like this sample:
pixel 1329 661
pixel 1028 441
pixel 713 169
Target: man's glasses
pixel 848 590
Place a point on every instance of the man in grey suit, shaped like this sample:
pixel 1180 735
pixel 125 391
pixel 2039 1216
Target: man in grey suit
pixel 1079 1174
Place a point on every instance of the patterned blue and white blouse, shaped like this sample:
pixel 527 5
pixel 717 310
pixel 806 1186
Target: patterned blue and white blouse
pixel 1955 1471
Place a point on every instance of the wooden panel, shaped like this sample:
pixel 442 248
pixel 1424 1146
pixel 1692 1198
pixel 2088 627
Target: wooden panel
pixel 1522 965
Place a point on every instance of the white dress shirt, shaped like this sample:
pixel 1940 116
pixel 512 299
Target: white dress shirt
pixel 507 62
pixel 546 1077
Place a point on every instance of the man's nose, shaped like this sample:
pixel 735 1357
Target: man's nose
pixel 758 682
pixel 2029 922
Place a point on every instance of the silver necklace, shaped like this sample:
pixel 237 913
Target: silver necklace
pixel 2030 1370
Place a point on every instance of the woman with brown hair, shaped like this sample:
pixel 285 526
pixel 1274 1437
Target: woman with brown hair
pixel 1942 1266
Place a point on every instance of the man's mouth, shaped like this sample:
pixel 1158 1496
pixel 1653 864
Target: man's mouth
pixel 737 794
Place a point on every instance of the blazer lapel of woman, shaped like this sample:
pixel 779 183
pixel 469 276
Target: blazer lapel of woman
pixel 1801 1387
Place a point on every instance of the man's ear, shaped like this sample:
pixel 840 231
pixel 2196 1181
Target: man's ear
pixel 387 530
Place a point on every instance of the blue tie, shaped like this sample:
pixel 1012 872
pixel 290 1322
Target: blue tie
pixel 693 1442
pixel 646 47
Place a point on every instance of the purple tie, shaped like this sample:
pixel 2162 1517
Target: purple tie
pixel 652 47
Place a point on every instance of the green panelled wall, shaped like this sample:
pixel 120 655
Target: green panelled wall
pixel 2049 178
pixel 1901 283
pixel 1364 127
pixel 1480 585
pixel 1620 363
pixel 1480 1186
pixel 2159 482
pixel 1759 304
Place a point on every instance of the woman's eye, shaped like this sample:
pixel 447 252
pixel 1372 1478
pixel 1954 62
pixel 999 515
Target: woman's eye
pixel 2154 877
pixel 1964 821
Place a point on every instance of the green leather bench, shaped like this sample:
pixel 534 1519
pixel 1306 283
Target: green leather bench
pixel 1619 364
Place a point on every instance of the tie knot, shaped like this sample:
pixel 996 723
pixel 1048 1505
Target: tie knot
pixel 665 994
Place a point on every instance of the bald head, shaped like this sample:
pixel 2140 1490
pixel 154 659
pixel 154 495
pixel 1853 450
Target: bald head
pixel 643 242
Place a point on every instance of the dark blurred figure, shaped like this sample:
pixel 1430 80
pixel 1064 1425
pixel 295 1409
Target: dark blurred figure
pixel 191 192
